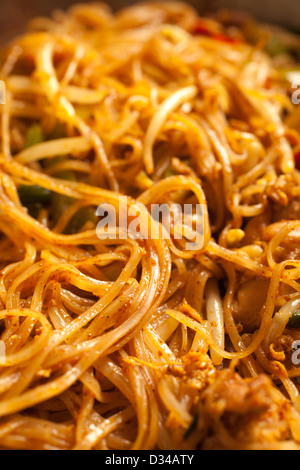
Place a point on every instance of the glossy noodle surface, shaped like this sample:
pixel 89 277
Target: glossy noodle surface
pixel 137 342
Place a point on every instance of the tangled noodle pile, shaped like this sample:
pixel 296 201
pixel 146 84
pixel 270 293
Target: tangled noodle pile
pixel 139 343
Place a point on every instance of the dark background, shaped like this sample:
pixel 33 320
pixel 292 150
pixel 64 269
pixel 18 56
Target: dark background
pixel 14 14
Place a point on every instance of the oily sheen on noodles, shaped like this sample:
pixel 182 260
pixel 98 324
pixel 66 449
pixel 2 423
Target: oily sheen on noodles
pixel 122 339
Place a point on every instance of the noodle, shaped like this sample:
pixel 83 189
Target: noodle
pixel 122 328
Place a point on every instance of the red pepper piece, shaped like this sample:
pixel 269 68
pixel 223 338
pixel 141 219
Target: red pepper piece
pixel 223 38
pixel 297 159
pixel 201 29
